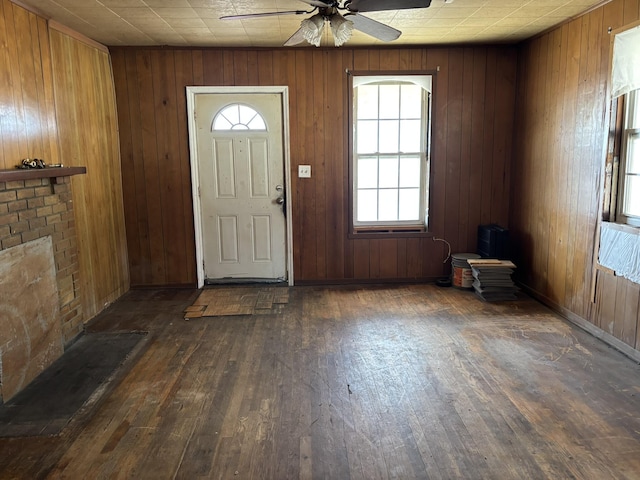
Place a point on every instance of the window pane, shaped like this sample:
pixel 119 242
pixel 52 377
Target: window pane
pixel 410 136
pixel 367 206
pixel 409 204
pixel 367 136
pixel 411 101
pixel 388 172
pixel 388 205
pixel 246 114
pixel 368 172
pixel 232 112
pixel 367 107
pixel 257 123
pixel 389 101
pixel 221 123
pixel 632 196
pixel 389 136
pixel 238 117
pixel 633 154
pixel 410 172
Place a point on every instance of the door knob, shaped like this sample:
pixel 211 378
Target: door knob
pixel 280 200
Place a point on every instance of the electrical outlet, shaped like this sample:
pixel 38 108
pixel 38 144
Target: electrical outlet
pixel 304 171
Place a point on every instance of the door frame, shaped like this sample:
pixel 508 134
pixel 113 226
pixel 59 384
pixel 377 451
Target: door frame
pixel 283 91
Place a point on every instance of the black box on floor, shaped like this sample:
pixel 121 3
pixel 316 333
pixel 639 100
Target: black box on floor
pixel 493 242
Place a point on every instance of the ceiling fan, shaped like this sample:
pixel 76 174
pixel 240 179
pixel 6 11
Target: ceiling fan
pixel 341 26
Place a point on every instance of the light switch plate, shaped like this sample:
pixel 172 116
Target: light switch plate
pixel 304 171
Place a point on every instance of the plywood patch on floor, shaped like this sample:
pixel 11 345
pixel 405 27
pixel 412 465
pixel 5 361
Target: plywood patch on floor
pixel 224 301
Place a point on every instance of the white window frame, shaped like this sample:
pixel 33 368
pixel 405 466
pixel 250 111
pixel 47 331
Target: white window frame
pixel 631 103
pixel 423 80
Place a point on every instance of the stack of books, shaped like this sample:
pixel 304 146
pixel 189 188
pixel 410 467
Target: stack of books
pixel 492 279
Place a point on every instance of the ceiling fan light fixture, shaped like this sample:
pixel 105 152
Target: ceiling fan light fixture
pixel 312 28
pixel 341 28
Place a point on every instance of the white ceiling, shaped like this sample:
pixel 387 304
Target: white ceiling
pixel 197 23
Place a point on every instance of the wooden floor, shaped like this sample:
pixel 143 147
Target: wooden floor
pixel 353 383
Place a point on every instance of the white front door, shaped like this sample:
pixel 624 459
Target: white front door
pixel 239 146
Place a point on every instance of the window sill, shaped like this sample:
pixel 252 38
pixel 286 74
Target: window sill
pixel 406 231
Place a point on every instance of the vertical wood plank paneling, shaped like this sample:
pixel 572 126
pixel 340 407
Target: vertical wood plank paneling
pixel 213 67
pixel 361 262
pixel 591 139
pixel 388 258
pixel 321 129
pixel 475 144
pixel 13 147
pixel 503 138
pixel 28 79
pixel 317 84
pixel 88 136
pixel 197 62
pixel 557 252
pixel 466 122
pixel 49 121
pixel 630 314
pixel 335 145
pixel 136 168
pixel 127 165
pixel 488 132
pixel 150 164
pixel 170 158
pixel 305 217
pixel 240 67
pixel 560 185
pixel 265 68
pixel 184 61
pixel 452 140
pixel 27 123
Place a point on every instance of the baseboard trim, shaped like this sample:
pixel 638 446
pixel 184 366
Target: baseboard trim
pixel 585 325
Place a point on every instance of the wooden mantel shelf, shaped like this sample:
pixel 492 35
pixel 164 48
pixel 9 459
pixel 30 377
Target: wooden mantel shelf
pixel 28 174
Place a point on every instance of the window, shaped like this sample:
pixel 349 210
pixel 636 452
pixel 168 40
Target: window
pixel 238 117
pixel 619 248
pixel 629 200
pixel 390 158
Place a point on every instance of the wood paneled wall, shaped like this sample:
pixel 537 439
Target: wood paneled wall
pixel 88 136
pixel 57 103
pixel 557 184
pixel 474 111
pixel 27 109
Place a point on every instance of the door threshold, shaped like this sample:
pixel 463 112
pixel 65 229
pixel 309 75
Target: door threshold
pixel 246 281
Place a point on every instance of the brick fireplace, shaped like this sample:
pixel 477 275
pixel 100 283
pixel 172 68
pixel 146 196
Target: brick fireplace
pixel 36 216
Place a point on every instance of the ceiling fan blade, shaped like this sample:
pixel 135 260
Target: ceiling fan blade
pixel 295 39
pixel 373 28
pixel 318 3
pixel 265 14
pixel 379 5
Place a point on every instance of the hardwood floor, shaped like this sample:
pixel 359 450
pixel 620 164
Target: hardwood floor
pixel 353 383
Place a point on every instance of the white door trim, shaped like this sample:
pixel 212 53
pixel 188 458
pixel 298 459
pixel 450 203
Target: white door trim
pixel 283 91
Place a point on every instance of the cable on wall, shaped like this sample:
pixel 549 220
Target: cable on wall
pixel 436 239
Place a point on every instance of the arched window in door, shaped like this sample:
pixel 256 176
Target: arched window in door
pixel 238 117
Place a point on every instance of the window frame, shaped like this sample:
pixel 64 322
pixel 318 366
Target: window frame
pixel 631 101
pixel 399 228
